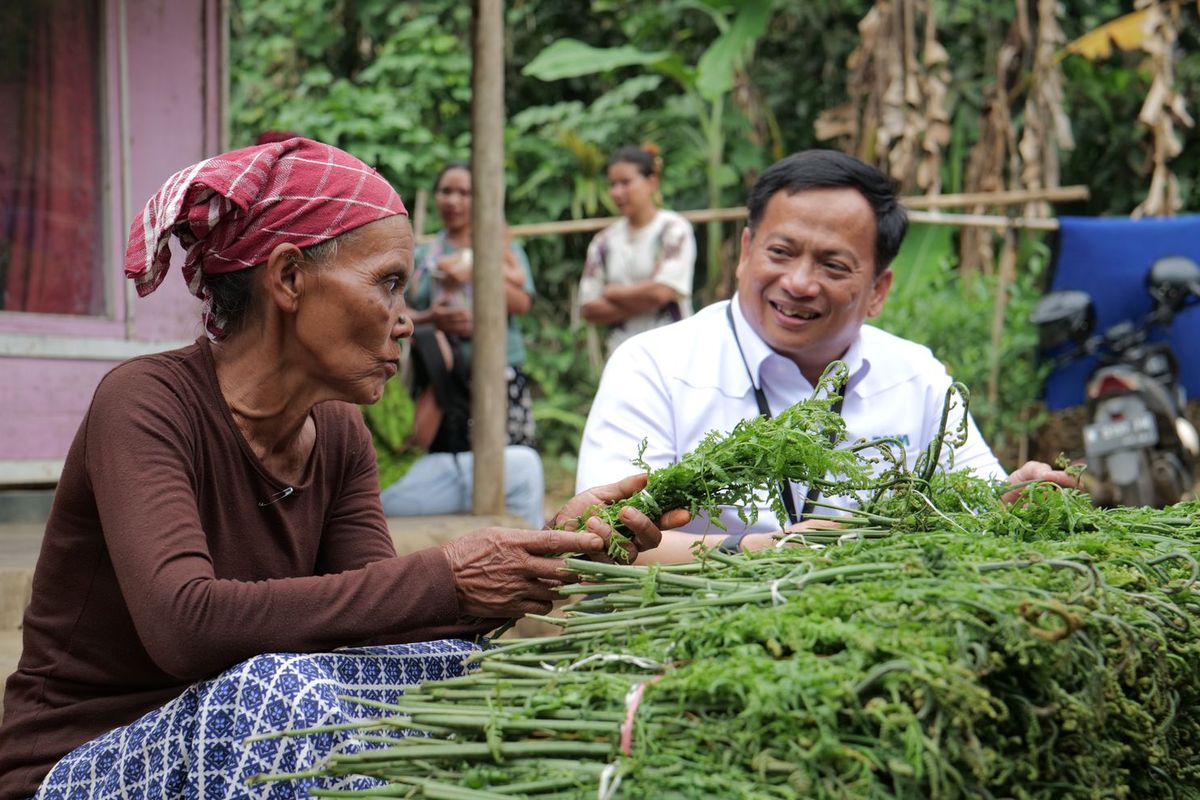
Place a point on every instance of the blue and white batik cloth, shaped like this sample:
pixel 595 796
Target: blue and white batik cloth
pixel 194 748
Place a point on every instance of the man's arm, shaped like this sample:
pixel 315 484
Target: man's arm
pixel 633 402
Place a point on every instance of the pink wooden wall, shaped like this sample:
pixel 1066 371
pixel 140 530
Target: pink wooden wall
pixel 164 79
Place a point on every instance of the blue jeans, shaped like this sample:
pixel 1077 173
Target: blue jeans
pixel 441 483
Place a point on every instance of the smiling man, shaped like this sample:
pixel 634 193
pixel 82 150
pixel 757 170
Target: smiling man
pixel 823 229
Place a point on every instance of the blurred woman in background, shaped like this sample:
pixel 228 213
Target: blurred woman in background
pixel 638 272
pixel 441 298
pixel 441 289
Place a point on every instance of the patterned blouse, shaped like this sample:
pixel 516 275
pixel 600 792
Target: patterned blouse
pixel 663 251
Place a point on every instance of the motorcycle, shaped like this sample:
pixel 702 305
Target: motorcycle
pixel 1138 442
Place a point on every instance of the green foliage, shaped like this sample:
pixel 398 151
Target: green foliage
pixel 968 648
pixel 932 303
pixel 732 469
pixel 567 381
pixel 391 83
pixel 707 85
pixel 570 58
pixel 714 78
pixel 388 82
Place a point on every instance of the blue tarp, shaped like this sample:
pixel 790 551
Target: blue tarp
pixel 1109 258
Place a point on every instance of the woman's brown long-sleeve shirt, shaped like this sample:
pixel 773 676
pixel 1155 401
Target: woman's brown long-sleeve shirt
pixel 164 561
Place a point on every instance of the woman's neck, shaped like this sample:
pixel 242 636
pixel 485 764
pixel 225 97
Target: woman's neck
pixel 266 399
pixel 459 238
pixel 642 217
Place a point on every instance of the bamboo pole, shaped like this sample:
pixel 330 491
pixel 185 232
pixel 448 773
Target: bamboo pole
pixel 1059 194
pixel 488 393
pixel 419 213
pixel 563 227
pixel 917 212
pixel 984 220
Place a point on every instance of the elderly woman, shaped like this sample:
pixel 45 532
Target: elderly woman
pixel 221 501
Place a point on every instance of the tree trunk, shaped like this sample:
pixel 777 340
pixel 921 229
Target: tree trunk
pixel 488 391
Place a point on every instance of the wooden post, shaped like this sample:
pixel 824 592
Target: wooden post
pixel 1007 275
pixel 488 390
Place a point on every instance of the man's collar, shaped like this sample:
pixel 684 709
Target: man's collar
pixel 756 351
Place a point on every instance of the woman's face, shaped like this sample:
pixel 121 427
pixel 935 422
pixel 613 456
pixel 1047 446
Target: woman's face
pixel 630 190
pixel 353 317
pixel 452 195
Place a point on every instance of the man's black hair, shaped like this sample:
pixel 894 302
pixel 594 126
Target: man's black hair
pixel 825 169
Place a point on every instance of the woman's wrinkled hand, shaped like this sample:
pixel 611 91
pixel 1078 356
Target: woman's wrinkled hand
pixel 502 572
pixel 643 532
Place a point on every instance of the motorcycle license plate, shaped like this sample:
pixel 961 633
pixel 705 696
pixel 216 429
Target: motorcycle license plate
pixel 1101 438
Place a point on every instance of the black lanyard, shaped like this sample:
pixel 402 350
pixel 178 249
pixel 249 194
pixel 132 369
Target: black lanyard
pixel 785 488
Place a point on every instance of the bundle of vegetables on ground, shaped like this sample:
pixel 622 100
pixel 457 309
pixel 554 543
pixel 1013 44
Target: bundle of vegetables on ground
pixel 942 644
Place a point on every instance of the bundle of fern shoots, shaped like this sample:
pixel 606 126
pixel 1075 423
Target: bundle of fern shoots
pixel 942 644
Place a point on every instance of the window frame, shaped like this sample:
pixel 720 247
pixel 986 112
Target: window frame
pixel 37 334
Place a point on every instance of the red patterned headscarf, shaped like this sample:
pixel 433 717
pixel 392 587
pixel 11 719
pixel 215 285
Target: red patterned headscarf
pixel 231 211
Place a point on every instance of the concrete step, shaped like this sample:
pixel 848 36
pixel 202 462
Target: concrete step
pixel 25 505
pixel 10 654
pixel 19 545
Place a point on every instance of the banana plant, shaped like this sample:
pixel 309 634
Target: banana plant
pixel 708 83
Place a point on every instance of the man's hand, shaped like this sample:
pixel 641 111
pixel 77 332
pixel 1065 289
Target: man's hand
pixel 761 541
pixel 1037 471
pixel 453 320
pixel 500 572
pixel 644 533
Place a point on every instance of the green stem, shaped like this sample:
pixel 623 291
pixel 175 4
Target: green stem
pixel 472 750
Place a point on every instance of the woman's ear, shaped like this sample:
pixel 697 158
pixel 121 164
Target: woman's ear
pixel 285 277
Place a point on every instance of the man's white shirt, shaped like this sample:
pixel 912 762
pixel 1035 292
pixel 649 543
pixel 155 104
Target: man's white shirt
pixel 674 384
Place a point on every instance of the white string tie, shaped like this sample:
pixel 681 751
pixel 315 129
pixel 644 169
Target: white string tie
pixel 796 576
pixel 610 779
pixel 777 598
pixel 637 661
